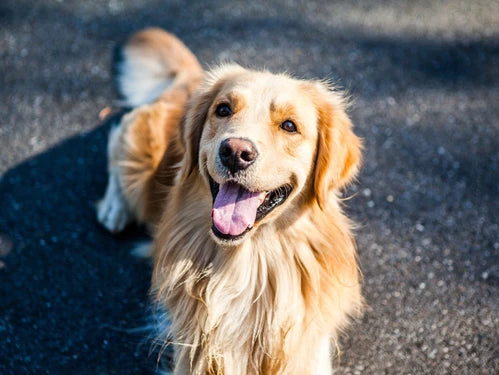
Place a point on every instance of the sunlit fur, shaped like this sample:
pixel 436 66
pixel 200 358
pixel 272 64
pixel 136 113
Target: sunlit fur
pixel 275 301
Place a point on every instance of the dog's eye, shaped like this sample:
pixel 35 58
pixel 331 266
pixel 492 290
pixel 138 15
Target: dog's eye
pixel 289 126
pixel 223 110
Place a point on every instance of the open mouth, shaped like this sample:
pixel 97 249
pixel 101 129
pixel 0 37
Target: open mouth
pixel 236 209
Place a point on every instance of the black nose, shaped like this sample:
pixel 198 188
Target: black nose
pixel 237 154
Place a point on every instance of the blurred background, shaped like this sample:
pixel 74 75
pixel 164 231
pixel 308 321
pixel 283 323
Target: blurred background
pixel 424 76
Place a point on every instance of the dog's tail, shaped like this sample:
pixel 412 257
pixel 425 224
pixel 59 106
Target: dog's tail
pixel 152 63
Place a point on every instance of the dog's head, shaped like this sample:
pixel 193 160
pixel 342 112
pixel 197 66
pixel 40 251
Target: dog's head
pixel 264 143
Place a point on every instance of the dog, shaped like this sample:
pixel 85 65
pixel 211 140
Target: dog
pixel 238 174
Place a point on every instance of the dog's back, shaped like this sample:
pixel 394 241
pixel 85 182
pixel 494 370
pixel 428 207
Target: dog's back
pixel 156 74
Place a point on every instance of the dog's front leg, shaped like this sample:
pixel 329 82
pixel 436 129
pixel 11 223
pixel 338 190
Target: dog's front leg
pixel 112 210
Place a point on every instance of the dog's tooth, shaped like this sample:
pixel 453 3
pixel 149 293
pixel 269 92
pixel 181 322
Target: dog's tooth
pixel 261 197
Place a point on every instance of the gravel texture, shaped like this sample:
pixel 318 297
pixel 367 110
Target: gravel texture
pixel 424 76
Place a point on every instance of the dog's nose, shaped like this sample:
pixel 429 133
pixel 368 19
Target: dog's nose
pixel 237 154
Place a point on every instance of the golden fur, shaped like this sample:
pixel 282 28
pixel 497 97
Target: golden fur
pixel 273 301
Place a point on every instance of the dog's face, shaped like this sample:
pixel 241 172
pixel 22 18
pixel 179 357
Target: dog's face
pixel 263 143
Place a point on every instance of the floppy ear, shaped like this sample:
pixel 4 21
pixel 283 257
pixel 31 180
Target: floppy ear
pixel 197 113
pixel 192 127
pixel 338 148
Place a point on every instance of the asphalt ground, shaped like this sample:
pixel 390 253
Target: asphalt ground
pixel 424 76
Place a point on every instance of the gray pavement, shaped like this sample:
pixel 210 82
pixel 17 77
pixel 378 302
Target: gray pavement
pixel 424 76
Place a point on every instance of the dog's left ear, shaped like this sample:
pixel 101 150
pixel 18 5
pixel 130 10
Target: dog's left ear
pixel 338 148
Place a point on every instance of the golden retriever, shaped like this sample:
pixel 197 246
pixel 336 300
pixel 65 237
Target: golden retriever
pixel 238 174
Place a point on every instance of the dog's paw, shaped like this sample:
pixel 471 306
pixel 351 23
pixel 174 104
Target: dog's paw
pixel 112 210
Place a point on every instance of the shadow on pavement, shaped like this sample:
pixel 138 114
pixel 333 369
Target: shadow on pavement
pixel 69 291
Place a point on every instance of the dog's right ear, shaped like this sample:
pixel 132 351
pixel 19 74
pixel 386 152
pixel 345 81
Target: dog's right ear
pixel 192 126
pixel 197 113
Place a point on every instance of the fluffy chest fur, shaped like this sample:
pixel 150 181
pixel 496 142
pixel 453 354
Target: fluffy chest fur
pixel 241 310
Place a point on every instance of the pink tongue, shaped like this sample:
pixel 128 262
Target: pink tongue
pixel 234 209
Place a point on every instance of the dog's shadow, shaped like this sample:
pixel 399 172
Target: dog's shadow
pixel 71 295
